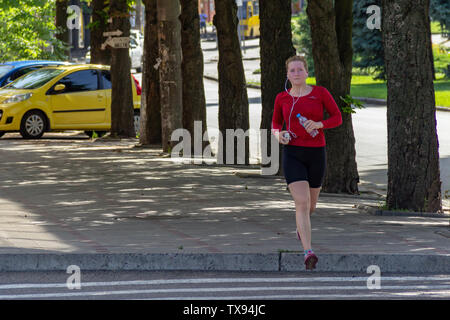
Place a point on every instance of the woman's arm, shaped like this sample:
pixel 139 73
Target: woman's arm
pixel 277 118
pixel 330 105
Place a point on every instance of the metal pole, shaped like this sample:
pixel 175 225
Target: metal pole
pixel 239 26
pixel 243 36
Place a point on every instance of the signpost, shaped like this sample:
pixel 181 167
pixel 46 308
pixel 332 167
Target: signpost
pixel 116 33
pixel 117 42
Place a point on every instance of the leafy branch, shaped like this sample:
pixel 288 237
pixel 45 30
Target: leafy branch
pixel 351 104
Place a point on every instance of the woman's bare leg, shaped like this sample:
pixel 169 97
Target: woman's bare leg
pixel 314 195
pixel 300 191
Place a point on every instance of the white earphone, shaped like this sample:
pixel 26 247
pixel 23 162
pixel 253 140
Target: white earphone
pixel 294 101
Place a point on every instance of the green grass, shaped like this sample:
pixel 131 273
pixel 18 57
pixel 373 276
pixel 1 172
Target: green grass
pixel 442 92
pixel 435 27
pixel 365 86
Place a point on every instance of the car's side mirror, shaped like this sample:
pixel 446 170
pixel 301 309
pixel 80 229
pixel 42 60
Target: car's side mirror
pixel 59 87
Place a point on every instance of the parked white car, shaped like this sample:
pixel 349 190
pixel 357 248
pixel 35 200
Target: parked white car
pixel 138 36
pixel 136 53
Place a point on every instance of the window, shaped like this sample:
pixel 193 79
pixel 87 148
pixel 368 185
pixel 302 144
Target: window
pixel 4 69
pixel 133 43
pixel 36 79
pixel 85 80
pixel 21 72
pixel 106 78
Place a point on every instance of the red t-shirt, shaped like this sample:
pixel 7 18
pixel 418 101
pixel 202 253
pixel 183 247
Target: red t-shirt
pixel 311 107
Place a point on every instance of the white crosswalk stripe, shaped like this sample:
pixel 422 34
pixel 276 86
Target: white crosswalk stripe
pixel 238 288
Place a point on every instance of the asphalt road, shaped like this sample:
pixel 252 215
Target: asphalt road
pixel 180 286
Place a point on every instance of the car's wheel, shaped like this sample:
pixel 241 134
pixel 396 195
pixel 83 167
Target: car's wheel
pixel 2 133
pixel 137 121
pixel 98 133
pixel 33 125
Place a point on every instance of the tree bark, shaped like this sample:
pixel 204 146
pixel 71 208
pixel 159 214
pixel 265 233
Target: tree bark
pixel 331 26
pixel 413 158
pixel 275 47
pixel 233 100
pixel 150 113
pixel 121 93
pixel 170 70
pixel 194 103
pixel 99 25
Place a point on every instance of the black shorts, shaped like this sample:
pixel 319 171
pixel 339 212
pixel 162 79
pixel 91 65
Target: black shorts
pixel 304 164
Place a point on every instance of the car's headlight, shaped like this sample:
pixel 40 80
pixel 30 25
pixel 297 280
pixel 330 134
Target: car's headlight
pixel 18 98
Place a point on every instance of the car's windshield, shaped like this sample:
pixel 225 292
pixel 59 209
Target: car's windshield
pixel 4 69
pixel 35 79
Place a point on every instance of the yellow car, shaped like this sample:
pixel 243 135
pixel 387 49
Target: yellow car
pixel 73 97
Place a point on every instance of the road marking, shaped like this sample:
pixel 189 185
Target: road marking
pixel 219 280
pixel 442 289
pixel 307 296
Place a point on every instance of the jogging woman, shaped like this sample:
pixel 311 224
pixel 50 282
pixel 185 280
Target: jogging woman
pixel 304 155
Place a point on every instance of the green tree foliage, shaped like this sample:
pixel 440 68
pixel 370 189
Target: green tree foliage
pixel 440 11
pixel 301 39
pixel 27 29
pixel 367 43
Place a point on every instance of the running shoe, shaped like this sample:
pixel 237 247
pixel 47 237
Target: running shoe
pixel 311 261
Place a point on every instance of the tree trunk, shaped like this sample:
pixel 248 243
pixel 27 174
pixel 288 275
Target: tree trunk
pixel 233 100
pixel 413 159
pixel 150 99
pixel 194 103
pixel 170 70
pixel 121 96
pixel 61 23
pixel 138 24
pixel 331 33
pixel 99 25
pixel 275 47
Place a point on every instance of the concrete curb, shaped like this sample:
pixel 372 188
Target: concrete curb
pixel 394 263
pixel 387 213
pixel 383 102
pixel 282 261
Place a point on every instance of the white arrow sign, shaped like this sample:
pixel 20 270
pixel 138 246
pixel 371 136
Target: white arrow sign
pixel 117 43
pixel 107 42
pixel 116 33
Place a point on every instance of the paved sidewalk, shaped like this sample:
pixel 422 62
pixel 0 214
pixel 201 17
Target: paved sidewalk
pixel 106 204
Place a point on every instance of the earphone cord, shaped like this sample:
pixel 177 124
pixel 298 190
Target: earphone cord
pixel 293 135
